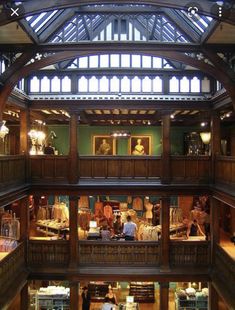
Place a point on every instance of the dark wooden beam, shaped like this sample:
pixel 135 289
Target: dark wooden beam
pixel 98 117
pixel 209 31
pixel 81 105
pixel 38 6
pixel 28 30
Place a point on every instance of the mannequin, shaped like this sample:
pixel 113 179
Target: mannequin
pixel 149 212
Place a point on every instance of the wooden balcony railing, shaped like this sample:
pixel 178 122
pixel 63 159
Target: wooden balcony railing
pixel 117 253
pixel 191 169
pixel 11 266
pixel 48 253
pixel 12 171
pixel 48 168
pixel 190 253
pixel 225 170
pixel 120 167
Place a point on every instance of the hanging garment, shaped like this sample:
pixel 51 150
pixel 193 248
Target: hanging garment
pixel 137 204
pixel 83 202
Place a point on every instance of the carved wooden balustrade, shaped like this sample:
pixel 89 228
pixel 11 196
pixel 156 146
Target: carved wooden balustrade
pixel 118 253
pixel 12 171
pixel 50 168
pixel 190 253
pixel 120 167
pixel 225 170
pixel 224 273
pixel 192 169
pixel 48 253
pixel 12 266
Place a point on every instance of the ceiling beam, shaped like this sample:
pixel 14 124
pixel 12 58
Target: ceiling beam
pixel 117 117
pixel 81 105
pixel 38 6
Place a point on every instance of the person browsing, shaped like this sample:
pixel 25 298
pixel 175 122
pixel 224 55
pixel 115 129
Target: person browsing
pixel 129 229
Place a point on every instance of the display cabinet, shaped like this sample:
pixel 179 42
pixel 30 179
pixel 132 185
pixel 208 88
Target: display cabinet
pixel 143 292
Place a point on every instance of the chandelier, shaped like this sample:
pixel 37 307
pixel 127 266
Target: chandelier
pixel 120 134
pixel 37 139
pixel 3 129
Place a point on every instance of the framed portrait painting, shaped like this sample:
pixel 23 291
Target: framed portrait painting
pixel 140 145
pixel 103 145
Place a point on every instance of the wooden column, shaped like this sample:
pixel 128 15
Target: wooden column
pixel 24 129
pixel 74 295
pixel 165 234
pixel 164 295
pixel 213 298
pixel 73 150
pixel 24 297
pixel 215 228
pixel 24 219
pixel 73 231
pixel 166 148
pixel 215 143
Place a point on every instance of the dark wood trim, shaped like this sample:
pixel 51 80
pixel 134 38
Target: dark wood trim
pixel 166 149
pixel 73 232
pixel 165 234
pixel 164 295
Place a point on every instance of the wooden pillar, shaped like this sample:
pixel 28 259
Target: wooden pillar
pixel 24 219
pixel 164 295
pixel 74 295
pixel 215 143
pixel 215 227
pixel 24 129
pixel 165 234
pixel 213 298
pixel 73 231
pixel 73 150
pixel 166 148
pixel 24 297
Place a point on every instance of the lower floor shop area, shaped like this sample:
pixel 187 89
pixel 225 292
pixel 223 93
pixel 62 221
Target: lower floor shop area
pixel 102 295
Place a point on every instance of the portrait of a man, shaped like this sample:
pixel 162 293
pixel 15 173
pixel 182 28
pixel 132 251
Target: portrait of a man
pixel 103 145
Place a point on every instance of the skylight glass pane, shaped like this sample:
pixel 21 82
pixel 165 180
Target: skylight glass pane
pixel 46 20
pixel 83 62
pixel 104 61
pixel 37 19
pixel 93 61
pixel 114 60
pixel 125 61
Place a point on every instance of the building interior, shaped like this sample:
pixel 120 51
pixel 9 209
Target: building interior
pixel 117 155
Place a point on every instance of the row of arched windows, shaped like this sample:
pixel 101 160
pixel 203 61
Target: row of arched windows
pixel 106 84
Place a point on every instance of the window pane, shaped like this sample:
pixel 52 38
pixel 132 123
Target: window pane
pixel 195 85
pixel 146 85
pixel 55 84
pixel 83 62
pixel 125 84
pixel 184 85
pixel 136 61
pixel 93 62
pixel 146 61
pixel 104 84
pixel 157 85
pixel 157 62
pixel 136 84
pixel 82 84
pixel 93 84
pixel 114 60
pixel 66 84
pixel 114 84
pixel 205 85
pixel 125 61
pixel 104 61
pixel 174 85
pixel 34 85
pixel 45 84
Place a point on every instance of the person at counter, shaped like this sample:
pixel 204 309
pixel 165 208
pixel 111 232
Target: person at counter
pixel 111 297
pixel 48 150
pixel 118 226
pixel 105 233
pixel 129 229
pixel 194 229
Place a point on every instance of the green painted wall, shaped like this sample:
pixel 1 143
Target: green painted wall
pixel 85 134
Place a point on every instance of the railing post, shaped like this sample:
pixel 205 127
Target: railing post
pixel 165 234
pixel 73 232
pixel 213 298
pixel 164 295
pixel 166 149
pixel 215 228
pixel 24 219
pixel 215 142
pixel 73 149
pixel 24 140
pixel 74 295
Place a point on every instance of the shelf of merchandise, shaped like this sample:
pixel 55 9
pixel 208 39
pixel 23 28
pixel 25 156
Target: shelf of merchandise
pixel 191 304
pixel 142 292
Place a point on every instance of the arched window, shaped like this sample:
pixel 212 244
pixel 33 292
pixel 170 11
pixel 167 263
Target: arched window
pixel 195 85
pixel 82 84
pixel 114 84
pixel 104 84
pixel 157 85
pixel 34 85
pixel 174 85
pixel 136 84
pixel 184 85
pixel 45 85
pixel 125 84
pixel 146 85
pixel 93 84
pixel 55 84
pixel 66 84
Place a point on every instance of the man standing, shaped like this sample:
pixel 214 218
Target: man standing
pixel 129 229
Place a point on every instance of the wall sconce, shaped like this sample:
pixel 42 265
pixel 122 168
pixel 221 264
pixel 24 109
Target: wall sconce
pixel 3 129
pixel 206 137
pixel 120 134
